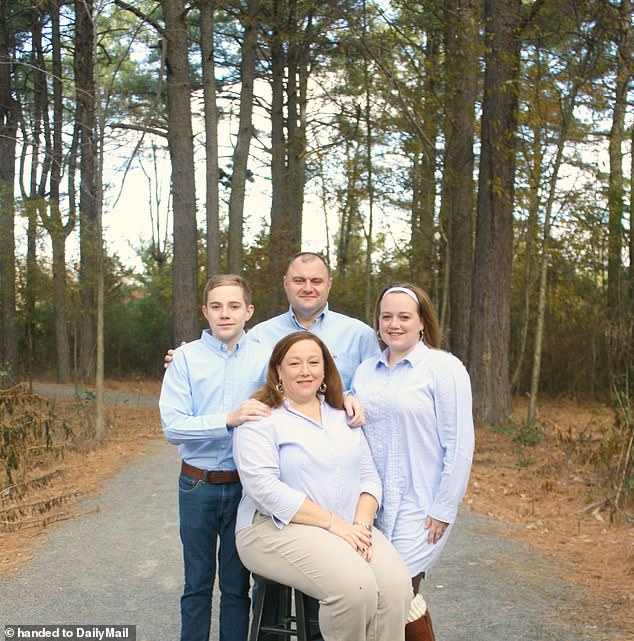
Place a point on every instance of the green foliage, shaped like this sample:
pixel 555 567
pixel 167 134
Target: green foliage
pixel 357 51
pixel 138 330
pixel 589 495
pixel 574 358
pixel 137 318
pixel 138 321
pixel 348 290
pixel 257 269
pixel 527 434
pixel 525 461
pixel 523 435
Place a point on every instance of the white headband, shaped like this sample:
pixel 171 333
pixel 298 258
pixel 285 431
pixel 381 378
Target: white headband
pixel 403 290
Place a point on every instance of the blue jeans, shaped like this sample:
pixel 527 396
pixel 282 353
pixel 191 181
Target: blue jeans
pixel 208 514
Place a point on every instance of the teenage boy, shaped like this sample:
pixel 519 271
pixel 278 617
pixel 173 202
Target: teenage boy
pixel 205 394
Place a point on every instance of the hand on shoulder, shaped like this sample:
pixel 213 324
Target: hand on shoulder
pixel 169 356
pixel 249 410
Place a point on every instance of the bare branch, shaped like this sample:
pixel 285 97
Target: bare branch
pixel 143 128
pixel 144 17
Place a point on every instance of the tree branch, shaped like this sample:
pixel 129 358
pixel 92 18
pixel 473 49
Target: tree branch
pixel 145 129
pixel 139 14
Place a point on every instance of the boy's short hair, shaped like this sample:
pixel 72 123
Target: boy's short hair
pixel 227 279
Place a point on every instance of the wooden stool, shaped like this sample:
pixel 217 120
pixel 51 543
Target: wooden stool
pixel 287 625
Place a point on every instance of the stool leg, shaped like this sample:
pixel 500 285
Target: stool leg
pixel 301 621
pixel 258 607
pixel 311 608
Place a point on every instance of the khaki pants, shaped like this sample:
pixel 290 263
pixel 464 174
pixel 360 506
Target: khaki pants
pixel 359 601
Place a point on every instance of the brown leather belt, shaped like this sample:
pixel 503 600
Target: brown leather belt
pixel 210 476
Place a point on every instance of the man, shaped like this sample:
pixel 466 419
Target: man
pixel 307 284
pixel 207 379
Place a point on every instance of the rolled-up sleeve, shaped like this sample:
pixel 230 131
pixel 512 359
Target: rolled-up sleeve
pixel 257 459
pixel 370 479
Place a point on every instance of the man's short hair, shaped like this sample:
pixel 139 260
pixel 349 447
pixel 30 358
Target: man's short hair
pixel 227 279
pixel 308 257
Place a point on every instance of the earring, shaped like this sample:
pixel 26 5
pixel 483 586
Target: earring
pixel 421 335
pixel 279 387
pixel 323 387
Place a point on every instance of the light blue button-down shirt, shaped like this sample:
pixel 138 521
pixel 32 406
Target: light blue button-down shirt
pixel 288 457
pixel 419 426
pixel 349 340
pixel 204 382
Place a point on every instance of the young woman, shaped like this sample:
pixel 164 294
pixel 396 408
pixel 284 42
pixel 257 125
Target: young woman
pixel 310 494
pixel 419 425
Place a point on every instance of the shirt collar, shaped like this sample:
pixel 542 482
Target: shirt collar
pixel 286 404
pixel 217 345
pixel 319 319
pixel 412 359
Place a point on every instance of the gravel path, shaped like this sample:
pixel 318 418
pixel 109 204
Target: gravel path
pixel 121 564
pixel 84 393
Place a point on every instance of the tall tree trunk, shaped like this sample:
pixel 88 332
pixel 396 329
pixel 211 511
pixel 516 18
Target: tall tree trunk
pixel 461 71
pixel 8 129
pixel 53 223
pixel 349 208
pixel 424 172
pixel 297 86
pixel 534 182
pixel 369 229
pixel 100 407
pixel 543 267
pixel 490 308
pixel 207 9
pixel 59 233
pixel 32 280
pixel 88 232
pixel 34 199
pixel 534 163
pixel 287 145
pixel 421 231
pixel 181 148
pixel 617 320
pixel 616 185
pixel 631 273
pixel 245 133
pixel 279 253
pixel 324 200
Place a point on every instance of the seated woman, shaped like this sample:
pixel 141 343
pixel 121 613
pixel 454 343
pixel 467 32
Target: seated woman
pixel 310 494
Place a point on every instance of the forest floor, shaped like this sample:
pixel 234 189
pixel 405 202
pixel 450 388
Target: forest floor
pixel 550 496
pixel 547 494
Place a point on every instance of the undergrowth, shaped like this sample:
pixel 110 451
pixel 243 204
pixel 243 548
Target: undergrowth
pixel 603 447
pixel 34 430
